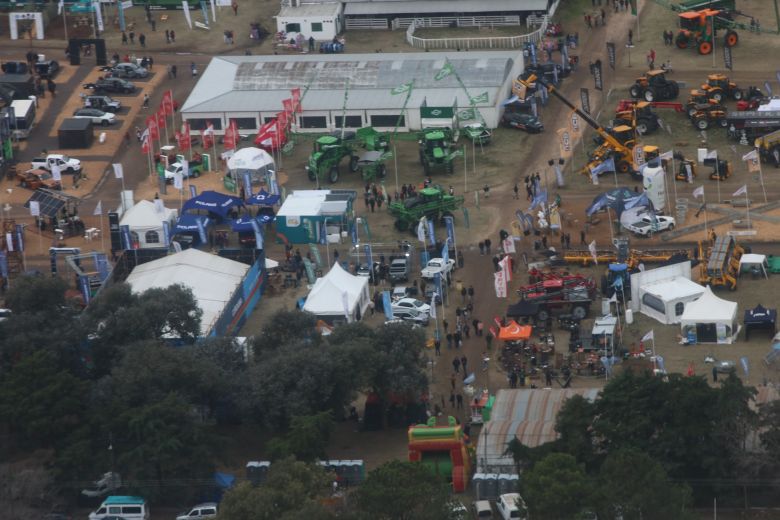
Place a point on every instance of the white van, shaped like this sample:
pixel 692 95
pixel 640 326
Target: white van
pixel 511 506
pixel 128 508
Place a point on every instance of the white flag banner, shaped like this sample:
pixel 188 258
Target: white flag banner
pixel 186 7
pixel 421 230
pixel 98 15
pixel 9 240
pixel 712 154
pixel 698 192
pixel 119 171
pixel 98 208
pixel 667 156
pixel 649 336
pixel 504 263
pixel 159 206
pixel 178 181
pixel 509 245
pixel 750 156
pixel 433 305
pixel 741 191
pixel 592 249
pixel 56 173
pixel 35 208
pixel 500 284
pixel 60 6
pixel 214 10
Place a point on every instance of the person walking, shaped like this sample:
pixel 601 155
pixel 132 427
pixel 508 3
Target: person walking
pixel 146 101
pixel 445 324
pixel 173 71
pixel 234 5
pixel 142 39
pixel 459 399
pixel 516 189
pixel 470 292
pixel 630 37
pixel 463 293
pixel 132 38
pixel 449 340
pixel 124 38
pixel 456 364
pixel 464 361
pixel 458 339
pixel 481 248
pixel 173 36
pixel 487 246
pixel 437 346
pixel 193 69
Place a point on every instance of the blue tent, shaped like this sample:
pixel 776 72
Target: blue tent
pixel 618 199
pixel 263 198
pixel 213 201
pixel 188 223
pixel 244 223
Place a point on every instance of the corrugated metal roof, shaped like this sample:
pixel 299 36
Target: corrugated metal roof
pixel 260 83
pixel 528 415
pixel 323 9
pixel 452 7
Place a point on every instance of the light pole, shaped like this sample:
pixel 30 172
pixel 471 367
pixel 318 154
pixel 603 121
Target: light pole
pixel 327 243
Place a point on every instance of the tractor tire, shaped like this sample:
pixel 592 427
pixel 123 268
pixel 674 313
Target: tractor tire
pixel 623 167
pixel 635 91
pixel 353 163
pixel 643 126
pixel 649 94
pixel 723 122
pixel 701 123
pixel 382 171
pixel 681 41
pixel 580 312
pixel 737 94
pixel 718 96
pixel 731 39
pixel 542 316
pixel 671 227
pixel 675 89
pixel 333 175
pixel 401 225
pixel 312 176
pixel 705 48
pixel 692 111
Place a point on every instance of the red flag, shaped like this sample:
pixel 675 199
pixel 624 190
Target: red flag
pixel 151 124
pixel 145 144
pixel 296 100
pixel 167 103
pixel 231 135
pixel 282 118
pixel 161 118
pixel 288 105
pixel 183 137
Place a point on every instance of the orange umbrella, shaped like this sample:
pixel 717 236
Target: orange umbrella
pixel 514 332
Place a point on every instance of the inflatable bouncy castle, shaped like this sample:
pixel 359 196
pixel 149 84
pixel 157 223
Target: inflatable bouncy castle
pixel 443 449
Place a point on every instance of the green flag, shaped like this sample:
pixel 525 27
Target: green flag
pixel 482 98
pixel 445 71
pixel 401 89
pixel 633 7
pixel 467 114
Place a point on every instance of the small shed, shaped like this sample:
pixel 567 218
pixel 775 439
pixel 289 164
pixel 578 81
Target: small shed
pixel 322 21
pixel 304 212
pixel 75 133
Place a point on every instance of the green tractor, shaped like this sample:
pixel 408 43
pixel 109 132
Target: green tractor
pixel 478 133
pixel 328 152
pixel 432 203
pixel 372 140
pixel 372 164
pixel 436 150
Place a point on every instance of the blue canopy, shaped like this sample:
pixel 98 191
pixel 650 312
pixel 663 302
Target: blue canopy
pixel 263 198
pixel 618 199
pixel 244 223
pixel 188 223
pixel 265 218
pixel 213 201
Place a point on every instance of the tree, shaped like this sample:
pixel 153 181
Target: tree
pixel 306 440
pixel 287 327
pixel 636 484
pixel 292 490
pixel 40 402
pixel 573 424
pixel 403 491
pixel 556 487
pixel 36 294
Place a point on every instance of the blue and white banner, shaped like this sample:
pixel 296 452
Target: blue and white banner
pixel 166 233
pixel 745 362
pixel 247 185
pixel 193 191
pixel 121 9
pixel 387 305
pixel 366 229
pixel 449 222
pixel 323 233
pixel 445 251
pixel 202 231
pixel 369 257
pixel 127 239
pixel 3 264
pixel 20 237
pixel 431 235
pixel 437 282
pixel 258 234
pixel 353 233
pixel 205 12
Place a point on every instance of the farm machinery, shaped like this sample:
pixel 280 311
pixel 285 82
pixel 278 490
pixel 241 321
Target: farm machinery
pixel 640 114
pixel 719 87
pixel 327 154
pixel 769 148
pixel 720 262
pixel 431 202
pixel 708 114
pixel 436 150
pixel 654 86
pixel 372 164
pixel 570 294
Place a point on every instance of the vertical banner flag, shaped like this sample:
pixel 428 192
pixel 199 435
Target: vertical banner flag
pixel 161 123
pixel 499 282
pixel 296 100
pixel 247 185
pixel 127 240
pixel 585 100
pixel 98 16
pixel 745 362
pixel 151 125
pixel 532 52
pixel 193 190
pixel 387 305
pixel 20 237
pixel 353 233
pixel 288 105
pixel 35 208
pixel 323 233
pixel 258 234
pixel 727 59
pixel 159 206
pixel 430 231
pixel 752 160
pixel 167 102
pixel 121 13
pixel 119 171
pixel 98 209
pixel 433 305
pixel 449 223
pixel 564 142
pixel 205 11
pixel 56 173
pixel 185 5
pixel 178 181
pixel 592 249
pixel 598 78
pixel 3 264
pixel 768 88
pixel 231 136
pixel 214 10
pixel 9 240
pixel 166 233
pixel 369 258
pixel 611 55
pixel 509 245
pixel 202 231
pixel 421 230
pixel 439 284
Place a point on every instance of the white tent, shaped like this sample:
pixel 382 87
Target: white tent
pixel 338 296
pixel 252 159
pixel 750 260
pixel 664 292
pixel 710 320
pixel 146 223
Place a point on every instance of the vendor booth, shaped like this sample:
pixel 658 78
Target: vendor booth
pixel 756 264
pixel 523 310
pixel 338 297
pixel 760 318
pixel 663 293
pixel 145 220
pixel 303 213
pixel 253 161
pixel 709 320
pixel 218 204
pixel 514 332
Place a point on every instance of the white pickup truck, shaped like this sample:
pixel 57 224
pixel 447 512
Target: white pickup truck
pixel 647 225
pixel 437 265
pixel 66 164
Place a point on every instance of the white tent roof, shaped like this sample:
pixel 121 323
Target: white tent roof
pixel 325 297
pixel 250 159
pixel 213 280
pixel 144 216
pixel 673 289
pixel 709 309
pixel 751 259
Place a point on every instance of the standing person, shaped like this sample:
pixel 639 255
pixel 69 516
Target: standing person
pixel 132 37
pixel 311 43
pixel 437 346
pixel 630 37
pixel 464 361
pixel 234 5
pixel 487 246
pixel 470 292
pixel 456 364
pixel 449 340
pixel 193 69
pixel 463 293
pixel 457 339
pixel 167 36
pixel 603 17
pixel 446 325
pixel 582 238
pixel 516 189
pixel 173 71
pixel 124 38
pixel 173 36
pixel 481 248
pixel 146 101
pixel 142 39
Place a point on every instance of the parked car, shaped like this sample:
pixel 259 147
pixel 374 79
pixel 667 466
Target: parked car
pixel 66 164
pixel 482 509
pixel 34 179
pixel 647 224
pixel 95 115
pixel 5 314
pixel 129 70
pixel 411 303
pixel 511 506
pixel 520 121
pixel 111 85
pixel 104 103
pixel 411 315
pixel 205 510
pixel 47 69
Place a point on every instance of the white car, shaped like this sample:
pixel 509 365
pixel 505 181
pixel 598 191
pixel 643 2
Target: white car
pixel 205 510
pixel 97 117
pixel 411 315
pixel 648 224
pixel 411 303
pixel 510 506
pixel 129 70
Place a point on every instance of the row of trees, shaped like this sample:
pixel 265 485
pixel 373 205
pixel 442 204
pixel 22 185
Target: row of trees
pixel 77 383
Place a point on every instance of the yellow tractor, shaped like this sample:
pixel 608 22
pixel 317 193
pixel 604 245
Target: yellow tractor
pixel 719 87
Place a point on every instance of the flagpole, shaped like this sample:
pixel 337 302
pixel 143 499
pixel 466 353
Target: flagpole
pixel 747 205
pixel 704 201
pixel 761 175
pixel 102 235
pixel 717 173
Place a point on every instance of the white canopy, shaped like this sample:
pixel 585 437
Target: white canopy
pixel 754 260
pixel 710 319
pixel 145 220
pixel 271 264
pixel 326 298
pixel 250 159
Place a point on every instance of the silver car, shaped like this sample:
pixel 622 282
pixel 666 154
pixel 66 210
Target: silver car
pixel 98 117
pixel 129 70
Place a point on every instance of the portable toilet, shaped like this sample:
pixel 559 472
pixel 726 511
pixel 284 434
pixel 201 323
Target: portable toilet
pixel 491 485
pixel 257 471
pixel 478 480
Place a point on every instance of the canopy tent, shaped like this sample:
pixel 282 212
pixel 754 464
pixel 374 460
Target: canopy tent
pixel 271 264
pixel 760 318
pixel 338 296
pixel 214 202
pixel 244 223
pixel 709 320
pixel 263 198
pixel 619 199
pixel 250 159
pixel 666 300
pixel 188 223
pixel 754 261
pixel 145 220
pixel 514 332
pixel 522 309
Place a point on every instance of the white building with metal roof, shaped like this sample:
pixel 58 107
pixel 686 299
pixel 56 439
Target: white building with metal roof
pixel 251 89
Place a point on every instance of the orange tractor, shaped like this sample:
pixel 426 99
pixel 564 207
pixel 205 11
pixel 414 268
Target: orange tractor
pixel 696 29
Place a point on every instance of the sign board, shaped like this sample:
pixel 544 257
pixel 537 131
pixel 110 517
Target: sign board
pixel 585 100
pixel 437 112
pixel 727 59
pixel 611 54
pixel 597 75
